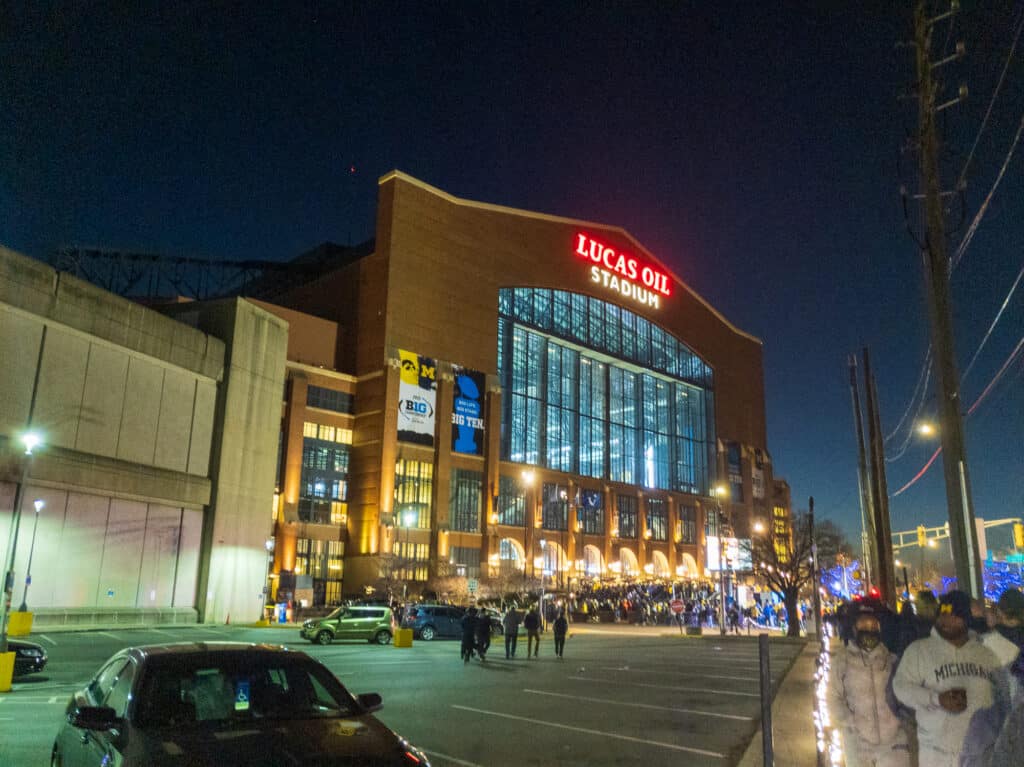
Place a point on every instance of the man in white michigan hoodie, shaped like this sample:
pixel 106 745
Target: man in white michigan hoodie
pixel 946 678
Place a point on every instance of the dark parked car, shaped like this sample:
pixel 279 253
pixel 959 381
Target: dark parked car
pixel 201 705
pixel 29 658
pixel 431 621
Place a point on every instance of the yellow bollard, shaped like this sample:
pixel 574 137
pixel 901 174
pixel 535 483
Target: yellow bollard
pixel 6 671
pixel 20 624
pixel 403 638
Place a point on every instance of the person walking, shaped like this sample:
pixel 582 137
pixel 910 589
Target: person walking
pixel 469 621
pixel 946 678
pixel 510 627
pixel 483 634
pixel 873 736
pixel 560 628
pixel 532 624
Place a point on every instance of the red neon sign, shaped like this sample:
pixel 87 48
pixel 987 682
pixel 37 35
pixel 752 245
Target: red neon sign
pixel 622 272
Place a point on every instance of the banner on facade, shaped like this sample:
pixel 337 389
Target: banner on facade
pixel 468 411
pixel 417 398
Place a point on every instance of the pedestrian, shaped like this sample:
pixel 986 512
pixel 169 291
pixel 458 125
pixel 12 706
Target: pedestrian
pixel 469 621
pixel 946 678
pixel 560 628
pixel 483 634
pixel 510 627
pixel 532 624
pixel 1006 639
pixel 734 619
pixel 873 736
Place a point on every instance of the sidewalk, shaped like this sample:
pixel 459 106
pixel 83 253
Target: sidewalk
pixel 794 740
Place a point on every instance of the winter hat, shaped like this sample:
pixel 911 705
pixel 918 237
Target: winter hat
pixel 1011 603
pixel 956 602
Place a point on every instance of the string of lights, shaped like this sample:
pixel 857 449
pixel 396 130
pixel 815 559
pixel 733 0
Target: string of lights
pixel 919 388
pixel 830 743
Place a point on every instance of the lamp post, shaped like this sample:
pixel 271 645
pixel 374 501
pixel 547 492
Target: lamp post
pixel 721 490
pixel 38 504
pixel 29 440
pixel 269 546
pixel 527 478
pixel 408 519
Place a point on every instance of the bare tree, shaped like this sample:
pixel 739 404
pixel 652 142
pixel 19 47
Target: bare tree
pixel 784 563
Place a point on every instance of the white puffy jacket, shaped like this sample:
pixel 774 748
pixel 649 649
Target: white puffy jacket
pixel 858 695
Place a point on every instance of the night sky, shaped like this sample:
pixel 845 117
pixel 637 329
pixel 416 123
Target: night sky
pixel 754 148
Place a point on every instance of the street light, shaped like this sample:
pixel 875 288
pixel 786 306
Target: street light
pixel 269 546
pixel 30 440
pixel 543 570
pixel 38 503
pixel 926 429
pixel 408 520
pixel 720 491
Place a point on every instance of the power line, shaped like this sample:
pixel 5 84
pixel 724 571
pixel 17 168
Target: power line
pixel 988 198
pixel 991 327
pixel 992 101
pixel 981 397
pixel 922 378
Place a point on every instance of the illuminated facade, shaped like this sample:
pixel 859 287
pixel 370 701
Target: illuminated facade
pixel 499 395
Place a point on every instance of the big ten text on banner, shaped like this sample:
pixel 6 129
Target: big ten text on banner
pixel 468 411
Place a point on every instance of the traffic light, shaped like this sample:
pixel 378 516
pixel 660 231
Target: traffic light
pixel 922 537
pixel 1018 535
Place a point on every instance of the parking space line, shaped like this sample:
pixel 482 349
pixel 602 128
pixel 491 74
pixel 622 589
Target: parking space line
pixel 694 711
pixel 452 759
pixel 47 639
pixel 627 670
pixel 588 731
pixel 165 633
pixel 667 687
pixel 108 634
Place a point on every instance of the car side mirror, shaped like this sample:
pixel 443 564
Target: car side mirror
pixel 94 718
pixel 371 701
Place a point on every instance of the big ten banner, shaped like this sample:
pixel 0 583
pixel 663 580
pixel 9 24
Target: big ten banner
pixel 417 398
pixel 733 453
pixel 468 411
pixel 758 473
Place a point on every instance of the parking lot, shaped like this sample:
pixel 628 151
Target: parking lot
pixel 622 695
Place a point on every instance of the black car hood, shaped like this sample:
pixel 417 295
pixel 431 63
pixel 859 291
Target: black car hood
pixel 359 740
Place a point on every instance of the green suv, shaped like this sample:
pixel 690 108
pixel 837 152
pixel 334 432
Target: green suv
pixel 373 624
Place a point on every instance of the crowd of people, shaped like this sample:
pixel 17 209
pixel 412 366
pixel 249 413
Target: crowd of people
pixel 938 686
pixel 476 633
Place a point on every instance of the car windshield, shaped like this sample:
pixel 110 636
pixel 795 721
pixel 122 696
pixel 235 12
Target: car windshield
pixel 182 691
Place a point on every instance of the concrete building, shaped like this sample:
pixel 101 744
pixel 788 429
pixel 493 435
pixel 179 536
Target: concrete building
pixel 491 393
pixel 160 438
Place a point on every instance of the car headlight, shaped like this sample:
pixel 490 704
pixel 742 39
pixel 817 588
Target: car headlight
pixel 30 652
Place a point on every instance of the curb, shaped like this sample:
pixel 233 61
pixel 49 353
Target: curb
pixel 793 735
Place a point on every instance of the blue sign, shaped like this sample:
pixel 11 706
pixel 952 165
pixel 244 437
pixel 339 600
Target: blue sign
pixel 467 412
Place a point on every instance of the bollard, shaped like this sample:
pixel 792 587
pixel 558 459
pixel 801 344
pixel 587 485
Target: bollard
pixel 767 742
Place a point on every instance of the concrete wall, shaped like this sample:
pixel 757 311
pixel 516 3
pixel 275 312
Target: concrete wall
pixel 243 455
pixel 124 398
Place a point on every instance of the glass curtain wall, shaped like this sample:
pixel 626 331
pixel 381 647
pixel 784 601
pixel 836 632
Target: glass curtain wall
pixel 594 389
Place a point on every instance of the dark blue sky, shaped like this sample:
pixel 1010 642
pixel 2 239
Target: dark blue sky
pixel 753 147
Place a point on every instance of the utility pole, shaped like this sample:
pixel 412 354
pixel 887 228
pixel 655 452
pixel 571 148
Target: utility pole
pixel 867 515
pixel 963 537
pixel 885 575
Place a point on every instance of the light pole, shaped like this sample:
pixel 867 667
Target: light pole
pixel 269 546
pixel 720 491
pixel 38 503
pixel 543 570
pixel 527 478
pixel 408 518
pixel 30 440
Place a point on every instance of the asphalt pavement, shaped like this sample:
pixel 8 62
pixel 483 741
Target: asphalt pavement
pixel 621 696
